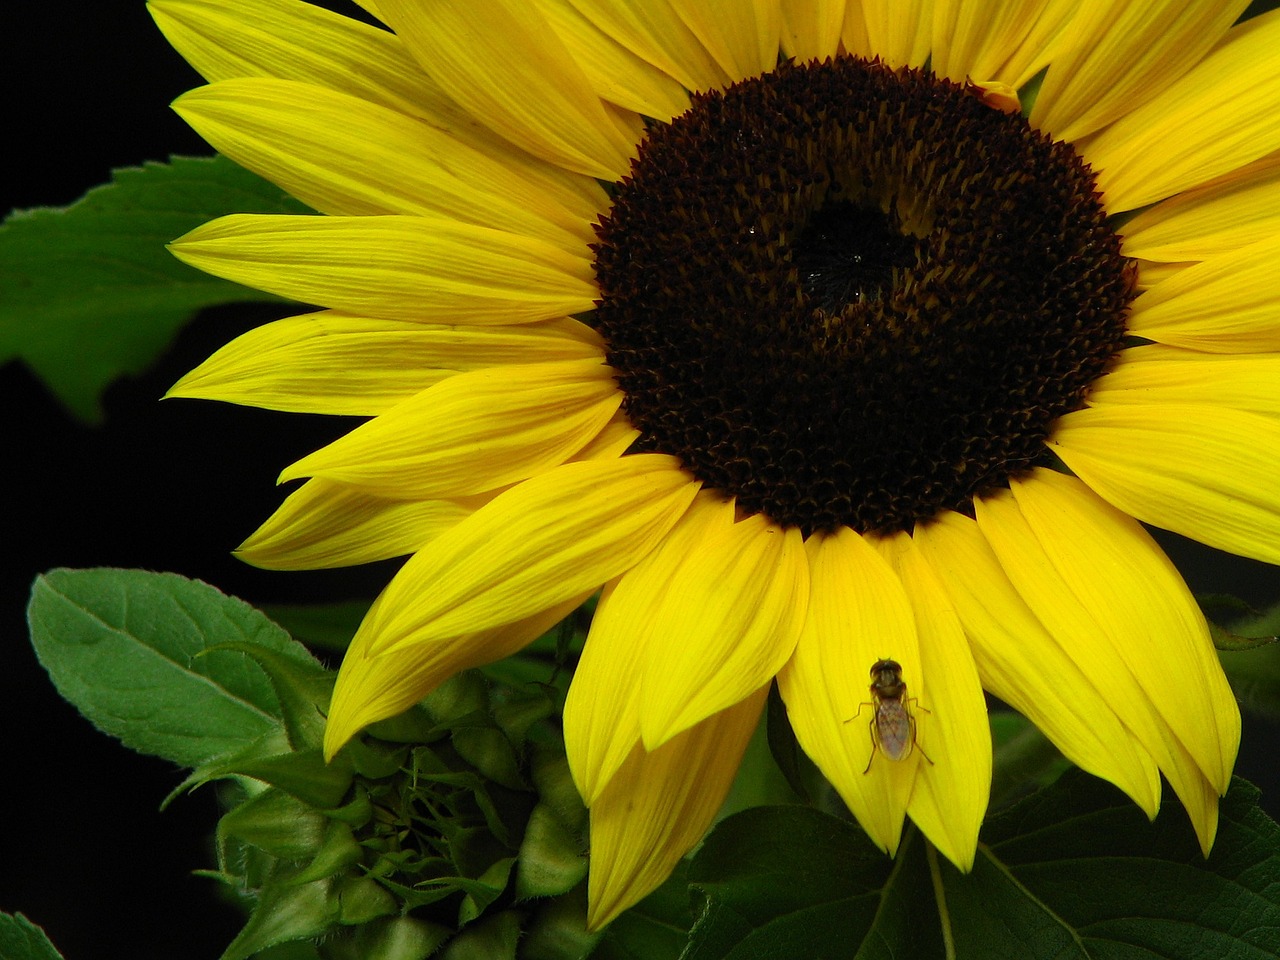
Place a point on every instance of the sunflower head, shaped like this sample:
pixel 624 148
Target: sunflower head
pixel 800 334
pixel 899 291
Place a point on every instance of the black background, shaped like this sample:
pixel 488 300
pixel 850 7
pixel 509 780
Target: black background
pixel 165 486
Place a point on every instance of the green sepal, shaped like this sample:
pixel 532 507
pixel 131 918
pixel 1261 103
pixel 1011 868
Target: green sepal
pixel 552 859
pixel 1029 92
pixel 292 950
pixel 549 771
pixel 303 689
pixel 272 743
pixel 303 774
pixel 559 931
pixel 278 824
pixel 415 726
pixel 489 750
pixel 478 892
pixel 485 890
pixel 338 851
pixel 356 812
pixel 1254 668
pixel 494 938
pixel 518 715
pixel 362 899
pixel 427 765
pixel 464 697
pixel 284 912
pixel 374 760
pixel 389 938
pixel 1224 639
pixel 462 707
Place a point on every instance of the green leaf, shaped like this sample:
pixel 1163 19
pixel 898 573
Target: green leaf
pixel 1024 757
pixel 131 650
pixel 656 928
pixel 793 879
pixel 90 293
pixel 787 755
pixel 1075 871
pixel 328 626
pixel 20 939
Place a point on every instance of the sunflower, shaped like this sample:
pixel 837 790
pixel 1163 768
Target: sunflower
pixel 811 333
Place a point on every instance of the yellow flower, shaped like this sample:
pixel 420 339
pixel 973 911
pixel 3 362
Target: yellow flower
pixel 807 364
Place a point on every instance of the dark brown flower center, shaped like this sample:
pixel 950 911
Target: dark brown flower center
pixel 852 295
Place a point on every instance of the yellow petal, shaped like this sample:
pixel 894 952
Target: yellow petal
pixel 610 443
pixel 853 33
pixel 1035 51
pixel 1215 119
pixel 549 538
pixel 373 688
pixel 601 722
pixel 659 805
pixel 616 74
pixel 652 30
pixel 858 614
pixel 975 41
pixel 811 28
pixel 346 156
pixel 473 432
pixel 1115 568
pixel 1233 211
pixel 1020 662
pixel 601 713
pixel 502 62
pixel 900 32
pixel 1154 375
pixel 1099 583
pixel 324 524
pixel 742 35
pixel 1205 472
pixel 951 793
pixel 405 268
pixel 1113 57
pixel 298 41
pixel 1151 273
pixel 334 362
pixel 292 40
pixel 727 622
pixel 1227 304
